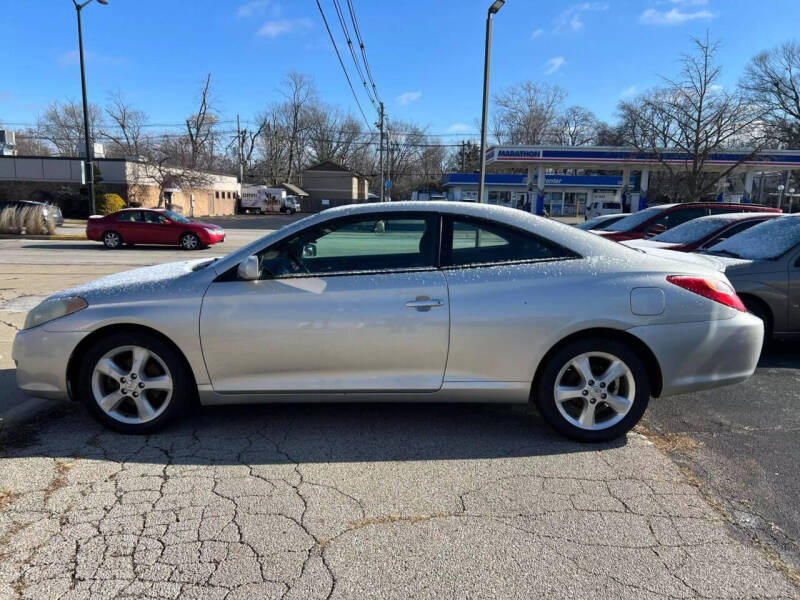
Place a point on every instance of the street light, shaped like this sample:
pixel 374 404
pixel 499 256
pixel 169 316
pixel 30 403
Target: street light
pixel 496 6
pixel 781 187
pixel 88 163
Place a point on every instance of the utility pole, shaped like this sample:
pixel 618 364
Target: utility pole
pixel 388 161
pixel 463 158
pixel 380 126
pixel 487 59
pixel 240 156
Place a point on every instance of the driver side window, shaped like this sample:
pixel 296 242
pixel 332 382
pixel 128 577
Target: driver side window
pixel 366 244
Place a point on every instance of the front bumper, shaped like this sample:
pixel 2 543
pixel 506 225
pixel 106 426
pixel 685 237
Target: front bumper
pixel 41 358
pixel 703 355
pixel 208 239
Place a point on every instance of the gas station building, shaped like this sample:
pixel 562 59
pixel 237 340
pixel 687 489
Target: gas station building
pixel 626 175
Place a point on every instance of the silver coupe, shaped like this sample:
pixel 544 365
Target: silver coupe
pixel 403 301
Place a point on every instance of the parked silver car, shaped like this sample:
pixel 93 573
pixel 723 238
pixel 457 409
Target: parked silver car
pixel 435 301
pixel 763 264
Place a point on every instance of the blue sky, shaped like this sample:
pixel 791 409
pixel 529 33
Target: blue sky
pixel 426 55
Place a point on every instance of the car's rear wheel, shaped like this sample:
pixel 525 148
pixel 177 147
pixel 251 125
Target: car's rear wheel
pixel 112 240
pixel 593 390
pixel 190 241
pixel 133 383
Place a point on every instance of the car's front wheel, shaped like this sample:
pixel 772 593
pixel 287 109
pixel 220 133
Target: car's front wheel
pixel 190 241
pixel 133 383
pixel 112 240
pixel 593 389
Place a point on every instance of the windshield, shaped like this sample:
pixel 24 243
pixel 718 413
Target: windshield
pixel 176 217
pixel 691 231
pixel 763 242
pixel 634 220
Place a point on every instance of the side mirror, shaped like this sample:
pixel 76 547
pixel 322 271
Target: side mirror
pixel 309 250
pixel 248 269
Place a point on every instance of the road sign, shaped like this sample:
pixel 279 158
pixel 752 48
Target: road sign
pixel 388 184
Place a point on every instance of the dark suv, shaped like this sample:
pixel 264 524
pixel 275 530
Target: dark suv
pixel 658 219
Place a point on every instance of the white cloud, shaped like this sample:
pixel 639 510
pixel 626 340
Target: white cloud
pixel 273 29
pixel 251 9
pixel 460 128
pixel 629 91
pixel 571 19
pixel 674 16
pixel 716 87
pixel 409 97
pixel 536 33
pixel 554 64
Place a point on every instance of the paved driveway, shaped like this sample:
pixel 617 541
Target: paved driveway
pixel 347 501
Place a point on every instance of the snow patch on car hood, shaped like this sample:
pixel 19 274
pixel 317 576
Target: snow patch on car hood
pixel 149 280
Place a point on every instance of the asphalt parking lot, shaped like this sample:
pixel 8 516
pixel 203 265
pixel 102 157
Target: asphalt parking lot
pixel 388 501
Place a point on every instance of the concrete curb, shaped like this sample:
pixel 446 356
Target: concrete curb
pixel 68 237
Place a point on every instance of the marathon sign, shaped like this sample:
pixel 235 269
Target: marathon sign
pixel 518 153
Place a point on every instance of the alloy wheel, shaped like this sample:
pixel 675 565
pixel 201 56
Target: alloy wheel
pixel 189 241
pixel 111 239
pixel 594 390
pixel 132 384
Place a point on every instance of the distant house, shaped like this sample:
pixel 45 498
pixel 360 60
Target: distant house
pixel 330 184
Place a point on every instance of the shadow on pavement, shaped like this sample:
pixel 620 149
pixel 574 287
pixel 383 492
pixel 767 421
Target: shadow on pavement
pixel 305 433
pixel 780 354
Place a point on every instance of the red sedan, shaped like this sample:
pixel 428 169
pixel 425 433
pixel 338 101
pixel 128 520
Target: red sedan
pixel 152 226
pixel 703 233
pixel 658 219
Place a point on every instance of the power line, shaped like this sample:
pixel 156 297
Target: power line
pixel 346 32
pixel 363 49
pixel 341 62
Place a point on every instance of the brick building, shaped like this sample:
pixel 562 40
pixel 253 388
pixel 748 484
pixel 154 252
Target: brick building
pixel 53 179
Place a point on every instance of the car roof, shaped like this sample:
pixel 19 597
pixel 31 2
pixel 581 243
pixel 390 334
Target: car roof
pixel 738 216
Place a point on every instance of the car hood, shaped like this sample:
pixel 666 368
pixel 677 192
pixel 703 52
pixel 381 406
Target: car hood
pixel 649 244
pixel 701 260
pixel 205 225
pixel 129 285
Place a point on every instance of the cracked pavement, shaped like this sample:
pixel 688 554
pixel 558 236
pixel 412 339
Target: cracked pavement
pixel 349 501
pixel 356 501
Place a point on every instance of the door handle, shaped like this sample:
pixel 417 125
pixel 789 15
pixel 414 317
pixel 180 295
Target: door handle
pixel 423 303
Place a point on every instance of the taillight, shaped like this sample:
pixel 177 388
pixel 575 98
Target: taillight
pixel 713 289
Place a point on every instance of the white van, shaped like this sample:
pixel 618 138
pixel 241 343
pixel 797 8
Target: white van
pixel 599 207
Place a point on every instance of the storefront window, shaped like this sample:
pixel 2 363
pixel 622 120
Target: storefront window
pixel 574 204
pixel 553 203
pixel 493 197
pixel 504 198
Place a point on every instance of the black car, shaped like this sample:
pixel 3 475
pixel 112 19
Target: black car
pixel 51 211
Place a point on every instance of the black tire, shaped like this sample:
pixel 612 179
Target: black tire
pixel 112 240
pixel 190 241
pixel 757 309
pixel 545 389
pixel 181 381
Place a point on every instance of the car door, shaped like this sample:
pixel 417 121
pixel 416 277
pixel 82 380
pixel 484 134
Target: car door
pixel 354 305
pixel 158 229
pixel 506 287
pixel 794 292
pixel 131 226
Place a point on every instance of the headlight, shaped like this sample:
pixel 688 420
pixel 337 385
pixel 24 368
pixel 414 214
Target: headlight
pixel 54 308
pixel 212 231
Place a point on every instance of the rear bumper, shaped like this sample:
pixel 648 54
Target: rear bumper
pixel 699 356
pixel 41 358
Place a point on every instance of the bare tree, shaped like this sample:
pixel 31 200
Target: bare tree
pixel 30 144
pixel 164 165
pixel 576 126
pixel 695 116
pixel 300 94
pixel 772 80
pixel 200 128
pixel 62 125
pixel 125 127
pixel 526 113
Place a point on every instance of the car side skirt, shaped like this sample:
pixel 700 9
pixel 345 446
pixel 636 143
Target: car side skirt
pixel 489 392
